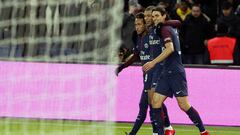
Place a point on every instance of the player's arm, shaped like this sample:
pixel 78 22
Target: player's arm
pixel 133 58
pixel 169 49
pixel 172 23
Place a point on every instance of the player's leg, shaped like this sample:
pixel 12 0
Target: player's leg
pixel 159 96
pixel 179 87
pixel 192 114
pixel 157 102
pixel 143 106
pixel 168 129
pixel 166 122
pixel 150 95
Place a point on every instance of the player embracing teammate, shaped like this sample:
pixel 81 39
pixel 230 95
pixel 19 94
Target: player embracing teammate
pixel 146 40
pixel 158 48
pixel 172 79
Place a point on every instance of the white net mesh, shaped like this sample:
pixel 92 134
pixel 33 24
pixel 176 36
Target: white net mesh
pixel 38 98
pixel 60 30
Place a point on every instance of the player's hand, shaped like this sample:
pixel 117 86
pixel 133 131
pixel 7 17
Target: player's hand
pixel 148 66
pixel 118 69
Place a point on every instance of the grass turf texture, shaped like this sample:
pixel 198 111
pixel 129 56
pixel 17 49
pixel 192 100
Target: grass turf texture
pixel 9 126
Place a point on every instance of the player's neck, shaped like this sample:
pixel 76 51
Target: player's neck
pixel 150 27
pixel 143 34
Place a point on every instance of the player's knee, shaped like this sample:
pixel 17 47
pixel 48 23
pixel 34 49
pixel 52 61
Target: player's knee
pixel 183 106
pixel 183 103
pixel 150 96
pixel 156 103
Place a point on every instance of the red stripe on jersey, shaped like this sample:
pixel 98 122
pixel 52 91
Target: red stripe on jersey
pixel 167 41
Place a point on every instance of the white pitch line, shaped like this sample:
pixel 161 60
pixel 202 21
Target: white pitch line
pixel 102 126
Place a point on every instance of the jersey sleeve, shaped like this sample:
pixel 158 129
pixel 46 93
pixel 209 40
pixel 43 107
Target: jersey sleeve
pixel 173 23
pixel 166 34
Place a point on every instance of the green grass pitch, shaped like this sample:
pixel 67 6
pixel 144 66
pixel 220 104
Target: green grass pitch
pixel 10 126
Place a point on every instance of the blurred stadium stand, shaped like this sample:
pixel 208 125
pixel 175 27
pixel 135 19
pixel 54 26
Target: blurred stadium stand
pixel 211 9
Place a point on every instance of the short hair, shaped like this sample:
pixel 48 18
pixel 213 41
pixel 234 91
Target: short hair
pixel 226 5
pixel 196 5
pixel 150 8
pixel 161 10
pixel 140 16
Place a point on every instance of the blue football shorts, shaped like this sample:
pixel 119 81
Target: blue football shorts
pixel 172 84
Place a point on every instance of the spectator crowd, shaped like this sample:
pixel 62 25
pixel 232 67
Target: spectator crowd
pixel 209 34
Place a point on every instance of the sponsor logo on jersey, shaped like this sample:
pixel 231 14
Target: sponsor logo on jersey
pixel 154 42
pixel 150 37
pixel 144 56
pixel 146 45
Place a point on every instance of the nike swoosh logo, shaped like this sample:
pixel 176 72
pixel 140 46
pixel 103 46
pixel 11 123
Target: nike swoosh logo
pixel 178 92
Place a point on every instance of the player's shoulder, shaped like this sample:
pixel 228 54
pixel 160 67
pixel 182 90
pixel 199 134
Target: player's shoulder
pixel 166 28
pixel 166 31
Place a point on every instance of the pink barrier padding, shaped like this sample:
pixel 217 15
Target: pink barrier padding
pixel 56 91
pixel 213 92
pixel 86 92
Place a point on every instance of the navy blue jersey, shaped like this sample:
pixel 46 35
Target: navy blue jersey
pixel 143 49
pixel 155 43
pixel 173 63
